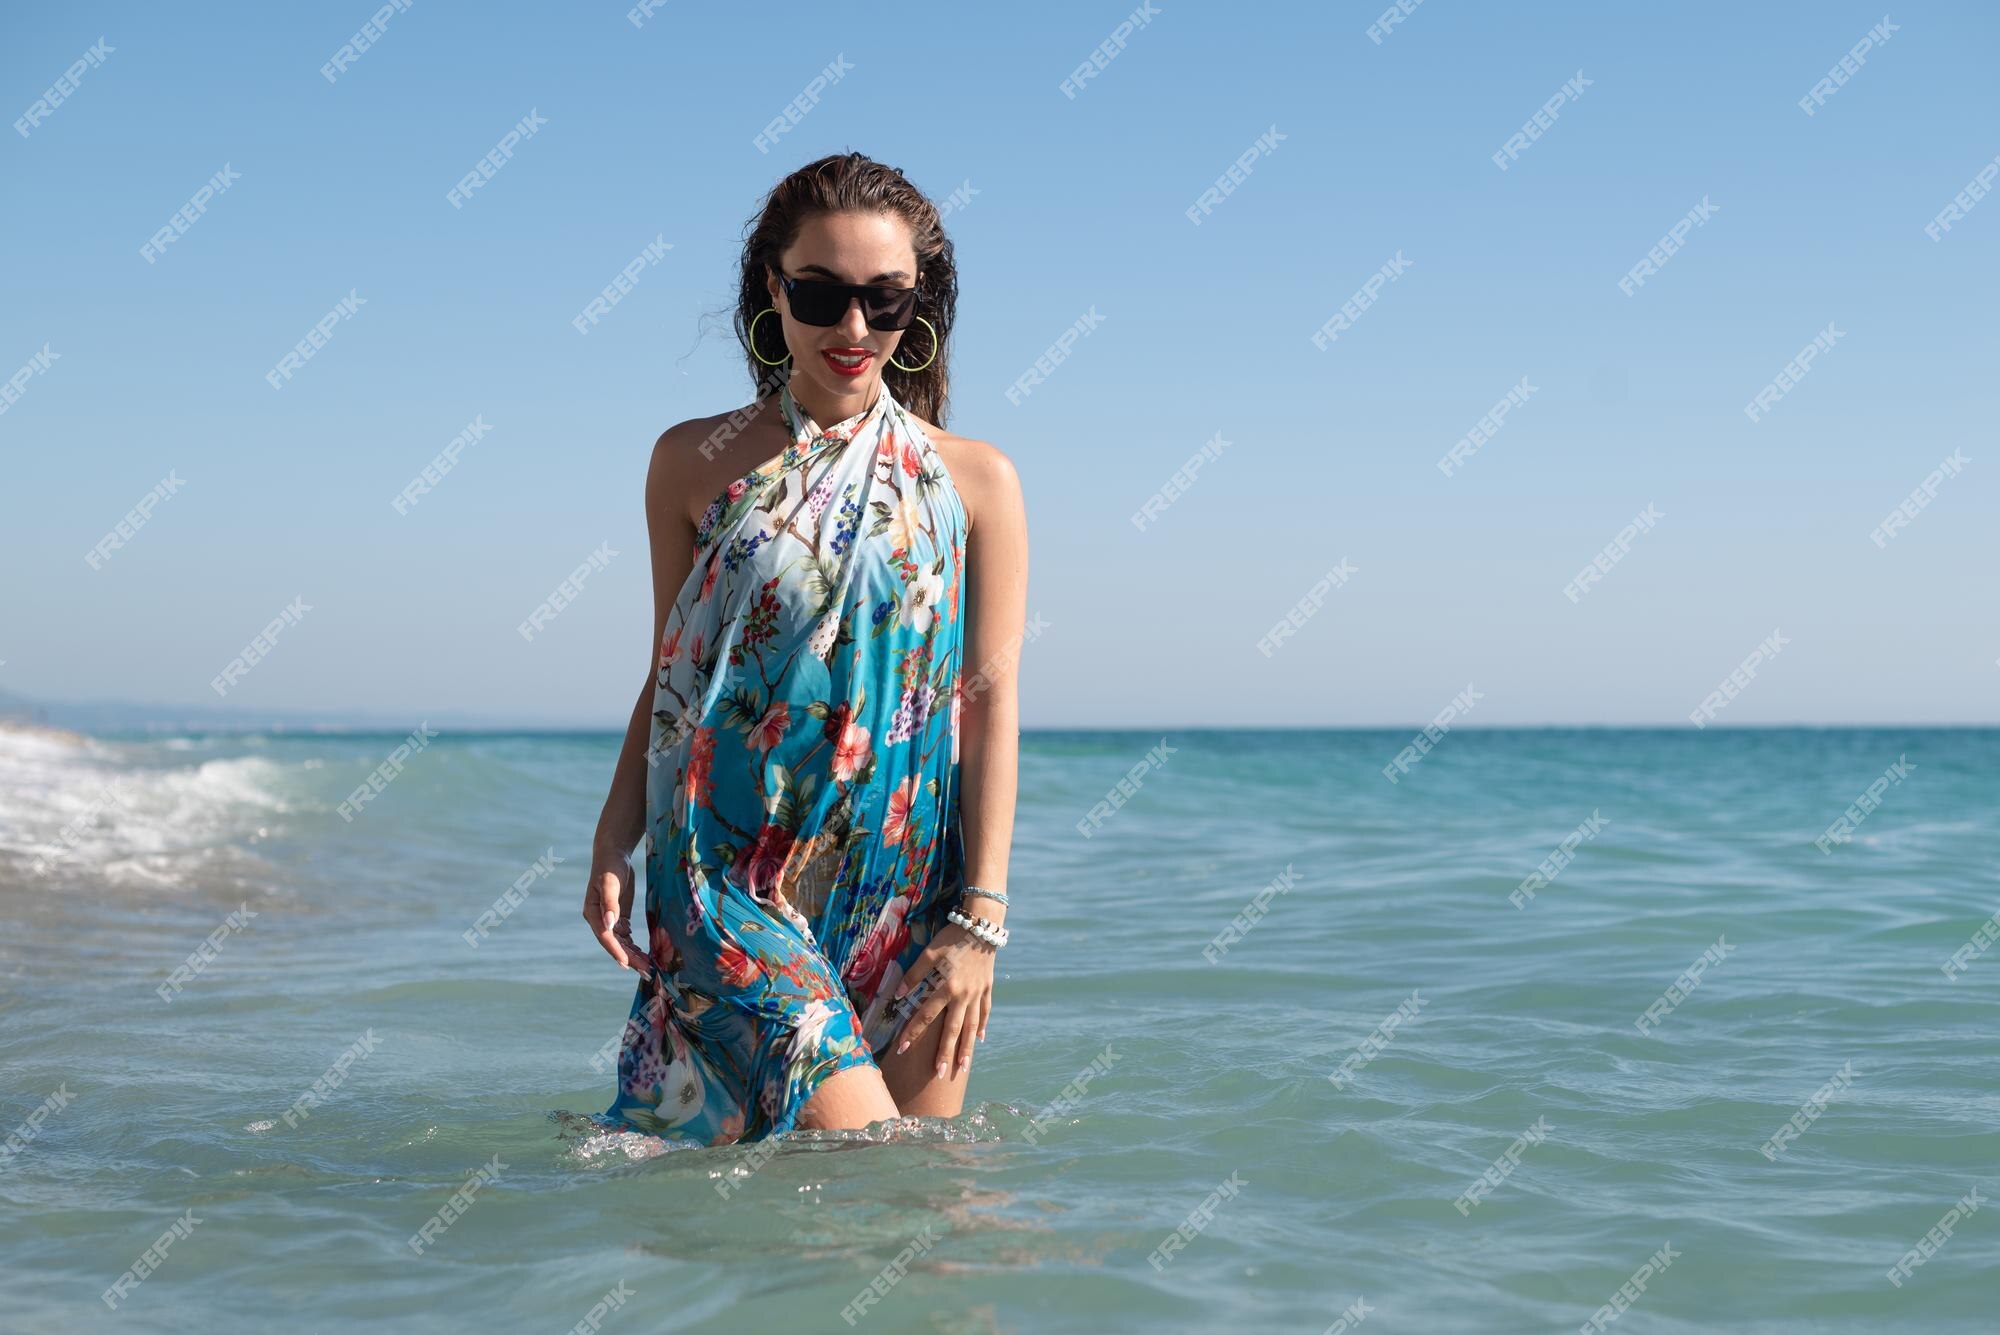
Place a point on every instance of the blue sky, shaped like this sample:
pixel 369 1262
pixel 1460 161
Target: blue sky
pixel 1076 205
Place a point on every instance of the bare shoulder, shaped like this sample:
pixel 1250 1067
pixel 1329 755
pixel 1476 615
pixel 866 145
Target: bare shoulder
pixel 680 449
pixel 986 478
pixel 692 459
pixel 671 446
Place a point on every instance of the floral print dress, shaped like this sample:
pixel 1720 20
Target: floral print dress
pixel 803 839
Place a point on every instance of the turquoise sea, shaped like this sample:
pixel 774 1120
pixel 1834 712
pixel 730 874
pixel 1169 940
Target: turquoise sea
pixel 1748 1079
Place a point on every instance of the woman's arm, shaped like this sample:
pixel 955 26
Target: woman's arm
pixel 607 904
pixel 989 704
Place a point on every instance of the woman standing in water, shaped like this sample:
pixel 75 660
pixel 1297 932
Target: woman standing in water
pixel 822 763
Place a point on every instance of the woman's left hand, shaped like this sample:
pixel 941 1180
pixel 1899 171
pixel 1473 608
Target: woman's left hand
pixel 960 967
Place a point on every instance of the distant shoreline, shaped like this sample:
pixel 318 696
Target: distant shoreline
pixel 101 718
pixel 24 728
pixel 164 730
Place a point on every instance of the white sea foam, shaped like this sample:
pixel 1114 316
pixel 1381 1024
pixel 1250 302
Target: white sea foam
pixel 135 813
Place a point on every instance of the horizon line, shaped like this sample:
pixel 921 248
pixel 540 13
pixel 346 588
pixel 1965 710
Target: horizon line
pixel 612 730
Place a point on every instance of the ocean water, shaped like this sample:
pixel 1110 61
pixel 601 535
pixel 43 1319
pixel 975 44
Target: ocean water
pixel 1164 1132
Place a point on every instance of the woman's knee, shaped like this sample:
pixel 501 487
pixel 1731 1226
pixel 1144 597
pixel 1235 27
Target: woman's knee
pixel 848 1099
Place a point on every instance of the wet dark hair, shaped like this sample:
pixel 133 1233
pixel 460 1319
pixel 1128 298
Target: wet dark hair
pixel 844 183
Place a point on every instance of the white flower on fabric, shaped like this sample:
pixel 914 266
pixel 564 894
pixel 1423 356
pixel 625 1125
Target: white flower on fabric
pixel 920 599
pixel 682 1095
pixel 811 1032
pixel 824 635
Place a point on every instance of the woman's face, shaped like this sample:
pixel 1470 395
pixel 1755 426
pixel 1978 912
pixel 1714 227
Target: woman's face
pixel 870 248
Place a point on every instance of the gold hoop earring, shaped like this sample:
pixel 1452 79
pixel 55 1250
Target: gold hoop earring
pixel 928 360
pixel 751 337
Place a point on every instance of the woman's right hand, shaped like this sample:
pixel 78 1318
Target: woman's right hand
pixel 607 907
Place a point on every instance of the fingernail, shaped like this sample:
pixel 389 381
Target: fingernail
pixel 903 1045
pixel 940 1070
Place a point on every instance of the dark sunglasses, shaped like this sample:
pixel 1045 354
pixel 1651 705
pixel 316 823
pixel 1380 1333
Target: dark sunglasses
pixel 816 302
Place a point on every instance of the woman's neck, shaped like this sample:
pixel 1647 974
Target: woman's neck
pixel 826 409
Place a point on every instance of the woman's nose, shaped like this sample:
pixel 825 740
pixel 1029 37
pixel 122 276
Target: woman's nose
pixel 854 324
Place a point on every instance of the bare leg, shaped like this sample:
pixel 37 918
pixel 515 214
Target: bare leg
pixel 914 1083
pixel 848 1100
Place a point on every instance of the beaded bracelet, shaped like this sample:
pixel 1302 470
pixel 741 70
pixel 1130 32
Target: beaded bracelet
pixel 979 927
pixel 997 896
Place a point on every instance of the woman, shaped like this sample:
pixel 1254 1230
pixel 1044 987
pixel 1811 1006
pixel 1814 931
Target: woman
pixel 822 761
